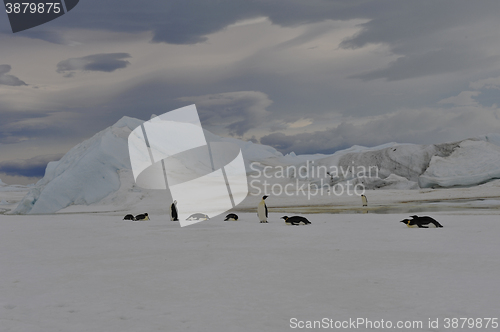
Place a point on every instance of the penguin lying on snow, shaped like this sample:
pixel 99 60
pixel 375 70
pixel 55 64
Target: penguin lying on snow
pixel 129 217
pixel 198 216
pixel 231 217
pixel 421 222
pixel 296 220
pixel 143 216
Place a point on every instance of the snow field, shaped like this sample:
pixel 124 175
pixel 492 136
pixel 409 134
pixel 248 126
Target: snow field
pixel 96 272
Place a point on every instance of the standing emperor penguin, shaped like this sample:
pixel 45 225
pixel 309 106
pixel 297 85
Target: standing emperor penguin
pixel 262 210
pixel 364 200
pixel 174 215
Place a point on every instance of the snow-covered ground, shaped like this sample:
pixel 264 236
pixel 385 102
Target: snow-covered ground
pixel 96 272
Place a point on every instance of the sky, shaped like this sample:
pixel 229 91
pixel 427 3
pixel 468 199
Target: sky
pixel 303 76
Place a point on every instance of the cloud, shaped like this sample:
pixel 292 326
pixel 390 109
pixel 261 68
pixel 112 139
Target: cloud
pixel 300 123
pixel 487 83
pixel 9 79
pixel 433 39
pixel 33 167
pixel 105 62
pixel 424 64
pixel 464 98
pixel 419 34
pixel 192 21
pixel 20 126
pixel 41 125
pixel 426 53
pixel 237 112
pixel 55 37
pixel 425 126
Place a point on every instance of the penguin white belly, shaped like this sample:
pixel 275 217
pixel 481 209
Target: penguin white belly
pixel 424 226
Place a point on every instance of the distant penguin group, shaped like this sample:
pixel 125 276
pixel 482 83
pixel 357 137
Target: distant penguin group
pixel 262 210
pixel 139 217
pixel 421 222
pixel 262 213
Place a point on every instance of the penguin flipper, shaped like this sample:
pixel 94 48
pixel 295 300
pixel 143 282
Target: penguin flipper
pixel 421 226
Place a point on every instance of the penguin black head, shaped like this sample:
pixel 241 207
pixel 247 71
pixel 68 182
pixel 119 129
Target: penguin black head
pixel 405 221
pixel 265 196
pixel 284 217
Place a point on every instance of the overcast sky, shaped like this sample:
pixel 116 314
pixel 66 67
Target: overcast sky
pixel 309 76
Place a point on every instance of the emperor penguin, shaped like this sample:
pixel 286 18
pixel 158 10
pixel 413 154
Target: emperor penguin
pixel 198 216
pixel 143 216
pixel 364 200
pixel 174 215
pixel 262 210
pixel 421 222
pixel 231 217
pixel 129 217
pixel 296 220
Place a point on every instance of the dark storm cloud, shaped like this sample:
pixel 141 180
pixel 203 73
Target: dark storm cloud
pixel 106 62
pixel 412 29
pixel 9 79
pixel 429 35
pixel 191 21
pixel 33 167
